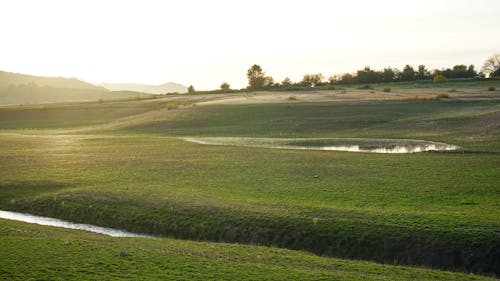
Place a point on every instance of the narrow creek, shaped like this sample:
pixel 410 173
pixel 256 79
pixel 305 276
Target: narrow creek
pixel 66 224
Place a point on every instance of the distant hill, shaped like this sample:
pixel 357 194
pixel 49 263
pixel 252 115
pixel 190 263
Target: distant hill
pixel 150 89
pixel 10 79
pixel 18 88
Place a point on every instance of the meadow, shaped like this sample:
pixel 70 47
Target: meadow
pixel 75 255
pixel 125 164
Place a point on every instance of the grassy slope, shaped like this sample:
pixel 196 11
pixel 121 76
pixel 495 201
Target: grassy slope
pixel 31 252
pixel 392 208
pixel 459 122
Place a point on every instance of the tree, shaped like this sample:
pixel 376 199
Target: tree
pixel 191 89
pixel 388 75
pixel 256 77
pixel 225 86
pixel 492 66
pixel 347 78
pixel 422 72
pixel 287 82
pixel 334 79
pixel 408 73
pixel 367 75
pixel 471 72
pixel 269 81
pixel 311 80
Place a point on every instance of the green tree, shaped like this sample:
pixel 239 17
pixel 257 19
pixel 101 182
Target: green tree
pixel 388 75
pixel 492 66
pixel 191 89
pixel 408 73
pixel 471 72
pixel 367 75
pixel 422 72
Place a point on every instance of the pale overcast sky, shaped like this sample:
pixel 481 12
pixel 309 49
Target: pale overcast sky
pixel 205 43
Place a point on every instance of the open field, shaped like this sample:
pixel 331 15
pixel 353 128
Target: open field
pixel 125 164
pixel 76 255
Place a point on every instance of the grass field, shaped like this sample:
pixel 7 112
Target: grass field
pixel 75 255
pixel 125 164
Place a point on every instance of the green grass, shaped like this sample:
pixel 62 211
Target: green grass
pixel 471 124
pixel 31 252
pixel 427 209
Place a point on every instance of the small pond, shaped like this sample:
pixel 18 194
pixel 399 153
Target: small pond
pixel 333 144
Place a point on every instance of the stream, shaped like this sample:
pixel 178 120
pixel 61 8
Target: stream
pixel 66 224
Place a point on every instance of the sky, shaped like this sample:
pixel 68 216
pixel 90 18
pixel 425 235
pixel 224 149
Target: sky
pixel 205 43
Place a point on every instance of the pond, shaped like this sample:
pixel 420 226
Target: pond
pixel 333 144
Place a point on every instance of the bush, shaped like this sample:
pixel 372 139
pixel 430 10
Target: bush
pixel 491 88
pixel 171 105
pixel 442 96
pixel 292 98
pixel 439 79
pixel 387 89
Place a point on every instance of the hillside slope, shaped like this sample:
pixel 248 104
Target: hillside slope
pixel 18 88
pixel 150 89
pixel 33 252
pixel 11 80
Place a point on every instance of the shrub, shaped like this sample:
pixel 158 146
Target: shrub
pixel 387 89
pixel 491 88
pixel 439 79
pixel 292 98
pixel 171 105
pixel 442 96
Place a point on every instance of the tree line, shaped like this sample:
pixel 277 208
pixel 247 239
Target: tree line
pixel 257 78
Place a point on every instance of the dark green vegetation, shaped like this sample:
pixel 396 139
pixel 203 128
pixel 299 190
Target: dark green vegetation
pixel 428 209
pixel 31 252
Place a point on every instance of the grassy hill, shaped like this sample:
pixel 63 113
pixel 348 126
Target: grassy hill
pixel 25 89
pixel 10 79
pixel 150 89
pixel 31 252
pixel 129 167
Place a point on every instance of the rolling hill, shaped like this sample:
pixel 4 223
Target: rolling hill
pixel 10 79
pixel 18 88
pixel 169 87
